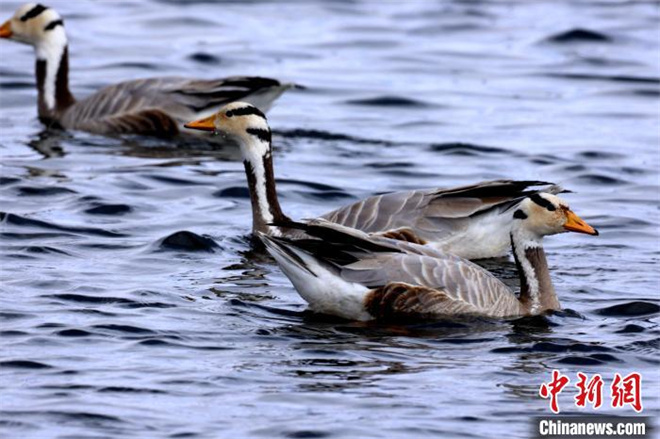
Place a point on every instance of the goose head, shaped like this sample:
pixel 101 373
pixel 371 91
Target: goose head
pixel 545 214
pixel 36 25
pixel 242 123
pixel 246 125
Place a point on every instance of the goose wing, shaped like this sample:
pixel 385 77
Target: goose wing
pixel 432 215
pixel 452 285
pixel 120 108
pixel 402 301
pixel 150 122
pixel 202 96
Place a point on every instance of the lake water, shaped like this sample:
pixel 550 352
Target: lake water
pixel 111 327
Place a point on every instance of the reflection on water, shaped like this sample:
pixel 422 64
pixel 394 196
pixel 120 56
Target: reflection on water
pixel 134 303
pixel 49 143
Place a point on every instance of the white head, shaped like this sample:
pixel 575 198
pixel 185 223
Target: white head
pixel 545 214
pixel 243 123
pixel 38 26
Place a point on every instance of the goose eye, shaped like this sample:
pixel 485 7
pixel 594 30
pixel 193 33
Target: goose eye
pixel 229 113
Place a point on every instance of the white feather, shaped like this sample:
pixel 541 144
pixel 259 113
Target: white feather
pixel 488 234
pixel 50 49
pixel 325 292
pixel 254 151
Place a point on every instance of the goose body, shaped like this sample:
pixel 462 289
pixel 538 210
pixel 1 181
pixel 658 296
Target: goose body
pixel 161 106
pixel 470 221
pixel 154 106
pixel 350 274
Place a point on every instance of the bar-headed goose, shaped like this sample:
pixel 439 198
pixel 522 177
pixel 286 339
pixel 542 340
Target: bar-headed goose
pixel 471 221
pixel 347 273
pixel 155 106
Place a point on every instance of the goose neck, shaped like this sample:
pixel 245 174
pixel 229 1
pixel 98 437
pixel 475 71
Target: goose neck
pixel 52 72
pixel 537 294
pixel 258 161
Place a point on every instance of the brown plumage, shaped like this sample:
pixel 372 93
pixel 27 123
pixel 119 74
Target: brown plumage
pixel 399 301
pixel 403 234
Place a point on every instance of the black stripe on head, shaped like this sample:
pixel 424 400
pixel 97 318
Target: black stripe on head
pixel 38 9
pixel 263 135
pixel 245 111
pixel 538 199
pixel 53 24
pixel 519 214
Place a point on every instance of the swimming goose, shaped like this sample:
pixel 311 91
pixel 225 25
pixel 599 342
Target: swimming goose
pixel 469 221
pixel 155 106
pixel 349 274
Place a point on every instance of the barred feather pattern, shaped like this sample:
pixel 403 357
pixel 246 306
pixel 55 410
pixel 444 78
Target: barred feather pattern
pixel 402 280
pixel 160 106
pixel 450 287
pixel 470 221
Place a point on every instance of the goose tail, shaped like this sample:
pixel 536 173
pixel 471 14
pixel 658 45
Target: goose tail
pixel 289 260
pixel 317 280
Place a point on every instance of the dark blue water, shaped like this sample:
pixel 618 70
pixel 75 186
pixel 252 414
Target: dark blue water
pixel 132 304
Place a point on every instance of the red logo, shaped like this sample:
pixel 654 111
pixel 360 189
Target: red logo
pixel 591 391
pixel 623 390
pixel 627 390
pixel 553 389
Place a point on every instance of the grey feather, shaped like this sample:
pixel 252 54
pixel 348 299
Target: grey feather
pixel 444 218
pixel 453 284
pixel 120 108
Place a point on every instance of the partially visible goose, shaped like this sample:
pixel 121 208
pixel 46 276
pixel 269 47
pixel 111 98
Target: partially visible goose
pixel 470 221
pixel 347 273
pixel 155 106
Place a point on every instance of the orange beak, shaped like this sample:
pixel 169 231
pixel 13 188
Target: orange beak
pixel 575 224
pixel 5 30
pixel 206 124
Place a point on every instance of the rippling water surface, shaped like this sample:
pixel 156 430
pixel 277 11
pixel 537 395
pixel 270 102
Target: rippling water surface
pixel 133 305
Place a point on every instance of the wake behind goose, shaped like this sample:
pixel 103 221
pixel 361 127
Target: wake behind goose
pixel 470 221
pixel 349 274
pixel 154 106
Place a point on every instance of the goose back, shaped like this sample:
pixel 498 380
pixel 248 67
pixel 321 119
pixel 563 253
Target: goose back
pixel 161 105
pixel 464 220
